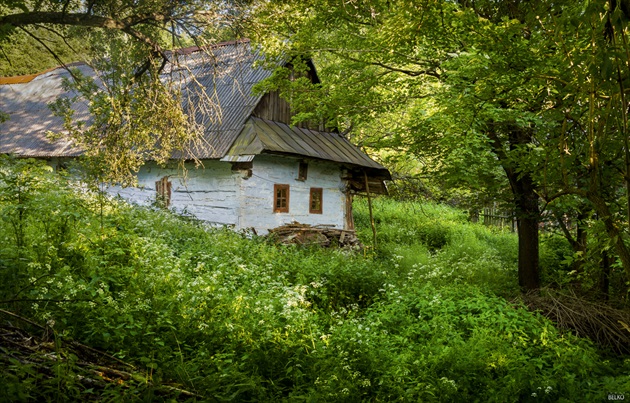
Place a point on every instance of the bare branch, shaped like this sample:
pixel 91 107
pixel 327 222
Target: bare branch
pixel 6 56
pixel 52 52
pixel 126 25
pixel 63 38
pixel 412 73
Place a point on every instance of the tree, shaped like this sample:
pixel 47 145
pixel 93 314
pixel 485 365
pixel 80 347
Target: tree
pixel 514 84
pixel 137 112
pixel 588 154
pixel 424 61
pixel 139 20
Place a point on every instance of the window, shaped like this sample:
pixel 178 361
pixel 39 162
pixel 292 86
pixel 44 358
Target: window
pixel 316 201
pixel 244 168
pixel 302 171
pixel 280 198
pixel 163 191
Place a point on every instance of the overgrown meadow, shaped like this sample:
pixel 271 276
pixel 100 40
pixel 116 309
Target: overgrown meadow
pixel 205 314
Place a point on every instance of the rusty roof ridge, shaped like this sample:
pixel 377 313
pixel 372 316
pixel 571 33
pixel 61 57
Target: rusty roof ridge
pixel 27 78
pixel 192 49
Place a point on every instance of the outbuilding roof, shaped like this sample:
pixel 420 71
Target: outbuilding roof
pixel 266 136
pixel 226 72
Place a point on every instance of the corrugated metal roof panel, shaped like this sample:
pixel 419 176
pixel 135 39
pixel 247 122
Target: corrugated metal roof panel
pixel 238 158
pixel 260 135
pixel 216 86
pixel 30 118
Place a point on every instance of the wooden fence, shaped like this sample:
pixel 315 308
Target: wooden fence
pixel 495 217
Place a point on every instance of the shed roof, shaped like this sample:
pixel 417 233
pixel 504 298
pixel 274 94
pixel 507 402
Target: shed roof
pixel 266 136
pixel 225 72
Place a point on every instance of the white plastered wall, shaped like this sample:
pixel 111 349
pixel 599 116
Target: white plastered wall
pixel 216 194
pixel 256 206
pixel 210 193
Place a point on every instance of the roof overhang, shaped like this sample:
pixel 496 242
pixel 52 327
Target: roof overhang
pixel 260 136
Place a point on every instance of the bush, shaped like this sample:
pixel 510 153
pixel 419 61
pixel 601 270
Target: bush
pixel 556 256
pixel 229 318
pixel 437 243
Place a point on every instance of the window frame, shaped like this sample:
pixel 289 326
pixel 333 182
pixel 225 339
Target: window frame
pixel 320 193
pixel 278 187
pixel 163 190
pixel 302 171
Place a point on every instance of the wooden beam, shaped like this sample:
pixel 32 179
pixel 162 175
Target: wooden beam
pixel 367 190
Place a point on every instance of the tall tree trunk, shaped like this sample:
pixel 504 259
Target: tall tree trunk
pixel 614 232
pixel 579 241
pixel 579 245
pixel 525 203
pixel 604 281
pixel 528 216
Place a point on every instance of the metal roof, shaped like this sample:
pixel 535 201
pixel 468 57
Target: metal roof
pixel 30 117
pixel 265 136
pixel 216 86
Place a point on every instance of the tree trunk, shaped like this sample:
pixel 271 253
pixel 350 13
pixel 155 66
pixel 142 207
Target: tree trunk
pixel 579 241
pixel 604 281
pixel 579 245
pixel 525 203
pixel 615 234
pixel 528 216
pixel 581 238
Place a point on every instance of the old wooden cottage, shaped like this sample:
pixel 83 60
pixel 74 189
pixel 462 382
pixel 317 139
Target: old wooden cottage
pixel 258 171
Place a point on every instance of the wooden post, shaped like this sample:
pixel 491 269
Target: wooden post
pixel 349 224
pixel 367 190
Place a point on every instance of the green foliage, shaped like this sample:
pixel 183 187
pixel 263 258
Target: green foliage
pixel 555 256
pixel 21 54
pixel 230 318
pixel 454 343
pixel 433 242
pixel 502 101
pixel 137 113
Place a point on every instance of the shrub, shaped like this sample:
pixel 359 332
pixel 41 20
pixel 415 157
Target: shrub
pixel 229 318
pixel 556 256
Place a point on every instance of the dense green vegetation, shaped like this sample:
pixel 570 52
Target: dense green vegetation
pixel 523 102
pixel 474 101
pixel 429 316
pixel 21 54
pixel 127 45
pixel 513 102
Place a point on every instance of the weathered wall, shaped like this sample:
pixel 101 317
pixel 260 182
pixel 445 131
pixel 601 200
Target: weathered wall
pixel 256 205
pixel 272 107
pixel 218 195
pixel 210 193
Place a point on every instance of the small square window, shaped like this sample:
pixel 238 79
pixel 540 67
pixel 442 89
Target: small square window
pixel 316 201
pixel 302 171
pixel 280 198
pixel 163 191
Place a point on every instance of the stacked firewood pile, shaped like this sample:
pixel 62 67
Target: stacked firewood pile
pixel 322 235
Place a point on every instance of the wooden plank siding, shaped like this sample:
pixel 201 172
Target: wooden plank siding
pixel 273 107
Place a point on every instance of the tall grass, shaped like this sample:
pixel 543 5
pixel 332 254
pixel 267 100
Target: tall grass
pixel 235 319
pixel 428 242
